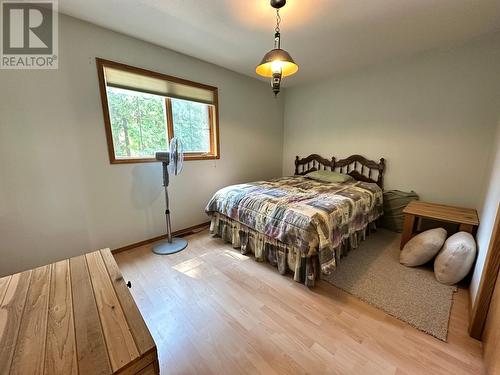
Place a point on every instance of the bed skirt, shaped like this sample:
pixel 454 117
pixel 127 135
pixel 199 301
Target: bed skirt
pixel 305 268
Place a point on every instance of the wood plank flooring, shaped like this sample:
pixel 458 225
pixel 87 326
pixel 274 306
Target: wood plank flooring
pixel 212 310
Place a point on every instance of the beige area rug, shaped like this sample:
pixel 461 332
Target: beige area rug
pixel 372 273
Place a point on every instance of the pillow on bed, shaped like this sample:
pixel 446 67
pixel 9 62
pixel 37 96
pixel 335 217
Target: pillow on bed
pixel 423 247
pixel 328 176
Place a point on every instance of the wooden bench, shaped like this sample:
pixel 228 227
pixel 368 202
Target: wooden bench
pixel 75 316
pixel 466 218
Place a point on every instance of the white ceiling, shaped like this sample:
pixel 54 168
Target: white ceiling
pixel 325 37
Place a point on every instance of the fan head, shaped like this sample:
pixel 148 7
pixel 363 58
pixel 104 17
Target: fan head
pixel 176 151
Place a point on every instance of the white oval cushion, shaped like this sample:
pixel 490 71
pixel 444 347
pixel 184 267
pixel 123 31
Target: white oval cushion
pixel 423 247
pixel 455 260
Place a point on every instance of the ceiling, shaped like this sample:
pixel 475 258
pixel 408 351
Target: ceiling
pixel 325 37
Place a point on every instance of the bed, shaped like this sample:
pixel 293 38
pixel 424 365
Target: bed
pixel 298 224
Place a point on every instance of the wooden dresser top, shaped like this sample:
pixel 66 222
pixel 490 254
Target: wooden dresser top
pixel 75 316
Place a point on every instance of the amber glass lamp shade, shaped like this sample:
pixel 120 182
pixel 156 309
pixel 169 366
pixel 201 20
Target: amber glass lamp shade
pixel 277 60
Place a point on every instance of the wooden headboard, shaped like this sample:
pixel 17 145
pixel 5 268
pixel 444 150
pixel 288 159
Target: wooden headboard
pixel 356 166
pixel 312 163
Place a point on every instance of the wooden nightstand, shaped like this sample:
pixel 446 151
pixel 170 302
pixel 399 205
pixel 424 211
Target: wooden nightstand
pixel 466 218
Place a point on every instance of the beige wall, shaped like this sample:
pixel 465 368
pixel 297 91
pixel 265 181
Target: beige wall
pixel 488 212
pixel 432 116
pixel 59 196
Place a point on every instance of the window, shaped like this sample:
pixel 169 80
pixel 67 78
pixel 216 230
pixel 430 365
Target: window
pixel 143 110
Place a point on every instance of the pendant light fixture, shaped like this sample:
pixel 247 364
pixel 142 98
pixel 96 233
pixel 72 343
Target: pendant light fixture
pixel 277 63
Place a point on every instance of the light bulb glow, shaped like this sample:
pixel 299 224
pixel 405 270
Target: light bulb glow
pixel 277 66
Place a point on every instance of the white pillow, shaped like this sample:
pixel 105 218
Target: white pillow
pixel 423 247
pixel 455 260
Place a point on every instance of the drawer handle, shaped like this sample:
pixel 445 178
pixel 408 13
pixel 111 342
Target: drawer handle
pixel 129 284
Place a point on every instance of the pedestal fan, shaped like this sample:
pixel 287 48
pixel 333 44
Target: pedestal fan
pixel 172 162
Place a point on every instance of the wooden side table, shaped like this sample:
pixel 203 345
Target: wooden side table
pixel 466 218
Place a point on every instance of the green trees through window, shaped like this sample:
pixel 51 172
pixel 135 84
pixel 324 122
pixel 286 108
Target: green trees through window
pixel 140 127
pixel 191 125
pixel 138 122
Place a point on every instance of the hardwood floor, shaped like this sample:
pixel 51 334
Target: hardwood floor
pixel 212 310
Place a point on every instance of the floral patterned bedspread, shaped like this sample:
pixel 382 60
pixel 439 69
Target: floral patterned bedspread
pixel 300 212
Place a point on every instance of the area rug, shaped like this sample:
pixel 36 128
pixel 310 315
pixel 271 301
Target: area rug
pixel 372 273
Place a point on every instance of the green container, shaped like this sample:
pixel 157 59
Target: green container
pixel 394 203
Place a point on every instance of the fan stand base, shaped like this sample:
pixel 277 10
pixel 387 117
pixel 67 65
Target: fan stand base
pixel 165 247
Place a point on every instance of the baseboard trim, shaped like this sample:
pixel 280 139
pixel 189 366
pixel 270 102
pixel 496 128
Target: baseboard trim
pixel 177 233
